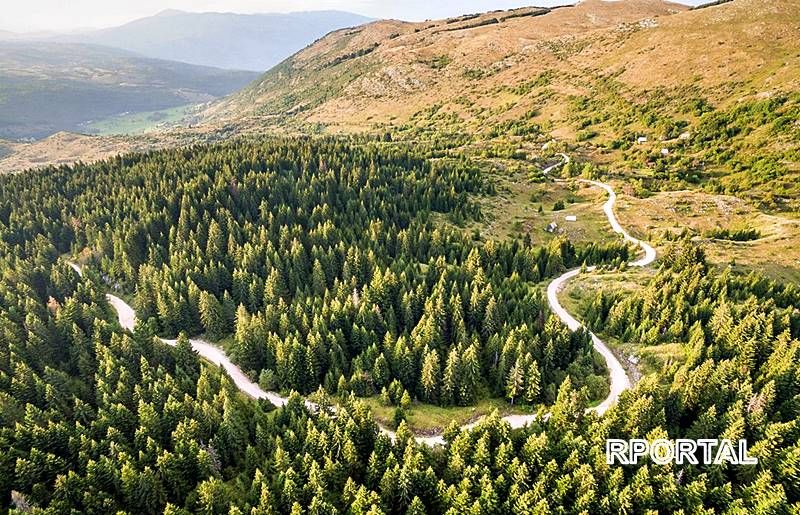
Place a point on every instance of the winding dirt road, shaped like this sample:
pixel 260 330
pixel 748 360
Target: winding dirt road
pixel 564 161
pixel 127 320
pixel 618 377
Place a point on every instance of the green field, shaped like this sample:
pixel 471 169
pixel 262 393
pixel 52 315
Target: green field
pixel 138 123
pixel 514 212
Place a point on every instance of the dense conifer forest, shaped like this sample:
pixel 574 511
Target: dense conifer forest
pixel 341 267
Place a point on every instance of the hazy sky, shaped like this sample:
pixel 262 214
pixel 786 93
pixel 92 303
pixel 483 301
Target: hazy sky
pixel 37 15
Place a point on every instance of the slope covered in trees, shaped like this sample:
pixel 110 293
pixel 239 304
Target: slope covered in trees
pixel 96 420
pixel 321 261
pixel 123 423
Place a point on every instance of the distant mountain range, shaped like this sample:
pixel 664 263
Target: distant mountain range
pixel 50 87
pixel 255 42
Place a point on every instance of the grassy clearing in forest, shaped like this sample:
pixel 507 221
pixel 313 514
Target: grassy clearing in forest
pixel 515 211
pixel 428 418
pixel 652 359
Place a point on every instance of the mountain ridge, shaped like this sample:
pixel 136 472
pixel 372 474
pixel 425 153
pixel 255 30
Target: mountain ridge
pixel 407 45
pixel 347 63
pixel 653 88
pixel 253 42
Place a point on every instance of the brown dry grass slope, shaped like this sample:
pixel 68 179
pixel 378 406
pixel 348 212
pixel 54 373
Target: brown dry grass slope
pixel 595 75
pixel 387 71
pixel 726 79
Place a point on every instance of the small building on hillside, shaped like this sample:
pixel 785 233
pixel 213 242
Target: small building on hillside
pixel 552 227
pixel 641 139
pixel 571 218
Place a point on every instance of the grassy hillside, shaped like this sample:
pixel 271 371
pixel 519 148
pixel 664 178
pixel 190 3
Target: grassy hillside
pixel 390 70
pixel 140 123
pixel 715 99
pixel 49 87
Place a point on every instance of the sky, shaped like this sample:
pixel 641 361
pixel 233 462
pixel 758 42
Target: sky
pixel 68 15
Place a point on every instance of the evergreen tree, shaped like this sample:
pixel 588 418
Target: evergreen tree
pixel 429 380
pixel 533 381
pixel 449 391
pixel 212 316
pixel 515 384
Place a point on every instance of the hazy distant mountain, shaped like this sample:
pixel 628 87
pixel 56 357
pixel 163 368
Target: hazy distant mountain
pixel 6 35
pixel 50 87
pixel 224 40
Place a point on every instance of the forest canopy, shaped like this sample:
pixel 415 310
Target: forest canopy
pixel 343 264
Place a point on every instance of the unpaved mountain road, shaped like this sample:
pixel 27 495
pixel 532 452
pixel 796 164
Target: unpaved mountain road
pixel 619 381
pixel 127 320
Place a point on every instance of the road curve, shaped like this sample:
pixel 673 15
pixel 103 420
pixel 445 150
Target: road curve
pixel 618 377
pixel 619 380
pixel 564 161
pixel 608 208
pixel 127 320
